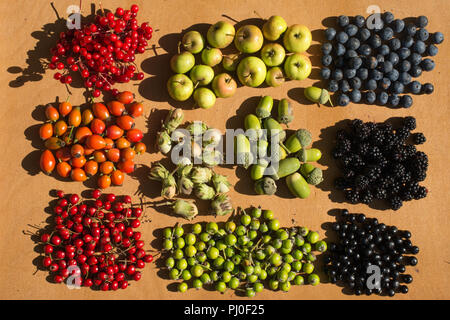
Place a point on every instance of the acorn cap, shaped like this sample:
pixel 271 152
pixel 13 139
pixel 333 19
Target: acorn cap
pixel 304 137
pixel 301 155
pixel 315 177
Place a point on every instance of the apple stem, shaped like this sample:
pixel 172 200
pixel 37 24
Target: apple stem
pixel 179 47
pixel 228 17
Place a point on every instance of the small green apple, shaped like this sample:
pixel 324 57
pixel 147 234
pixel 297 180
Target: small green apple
pixel 251 71
pixel 221 34
pixel 297 66
pixel 275 77
pixel 180 87
pixel 204 98
pixel 224 85
pixel 273 54
pixel 297 38
pixel 211 56
pixel 274 27
pixel 230 62
pixel 201 74
pixel 193 42
pixel 249 39
pixel 183 62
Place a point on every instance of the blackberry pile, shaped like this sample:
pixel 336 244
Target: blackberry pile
pixel 378 162
pixel 376 64
pixel 369 257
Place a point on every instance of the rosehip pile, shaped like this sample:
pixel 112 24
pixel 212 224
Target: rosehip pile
pixel 103 51
pixel 101 138
pixel 94 242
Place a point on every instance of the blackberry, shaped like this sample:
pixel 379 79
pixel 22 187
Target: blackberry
pixel 409 151
pixel 396 203
pixel 377 137
pixel 403 134
pixel 420 193
pixel 363 149
pixel 362 182
pixel 406 195
pixel 418 138
pixel 419 176
pixel 398 170
pixel 380 193
pixel 373 172
pixel 352 196
pixel 366 197
pixel 410 123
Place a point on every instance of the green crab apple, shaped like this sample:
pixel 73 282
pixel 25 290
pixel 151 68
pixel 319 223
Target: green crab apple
pixel 180 87
pixel 204 98
pixel 201 74
pixel 249 39
pixel 230 62
pixel 211 56
pixel 275 77
pixel 273 54
pixel 251 71
pixel 297 66
pixel 297 38
pixel 183 62
pixel 193 42
pixel 224 85
pixel 274 27
pixel 221 34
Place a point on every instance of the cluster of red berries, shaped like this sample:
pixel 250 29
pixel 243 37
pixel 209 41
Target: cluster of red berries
pixel 103 52
pixel 95 241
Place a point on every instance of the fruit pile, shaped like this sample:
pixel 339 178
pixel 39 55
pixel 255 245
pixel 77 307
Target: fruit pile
pixel 262 148
pixel 93 243
pixel 369 257
pixel 245 255
pixel 379 162
pixel 250 60
pixel 102 51
pixel 100 139
pixel 376 64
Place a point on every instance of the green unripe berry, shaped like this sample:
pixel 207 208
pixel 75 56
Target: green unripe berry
pixel 174 274
pixel 321 246
pixel 298 280
pixel 170 262
pixel 178 254
pixel 221 286
pixel 167 233
pixel 190 239
pixel 234 283
pixel 186 275
pixel 308 268
pixel 274 284
pixel 178 232
pixel 168 244
pixel 230 226
pixel 285 286
pixel 313 279
pixel 197 284
pixel 246 219
pixel 258 287
pixel 268 214
pixel 274 224
pixel 197 228
pixel 256 213
pixel 212 228
pixel 182 287
pixel 313 237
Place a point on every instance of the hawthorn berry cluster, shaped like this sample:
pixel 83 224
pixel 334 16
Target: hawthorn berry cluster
pixel 99 237
pixel 103 51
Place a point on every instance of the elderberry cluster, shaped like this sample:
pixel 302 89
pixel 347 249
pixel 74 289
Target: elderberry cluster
pixel 375 64
pixel 378 162
pixel 369 257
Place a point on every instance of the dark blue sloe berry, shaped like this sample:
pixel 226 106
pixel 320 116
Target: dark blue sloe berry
pixel 414 87
pixel 416 71
pixel 406 101
pixel 353 43
pixel 344 86
pixel 380 58
pixel 343 21
pixel 365 50
pixel 411 29
pixel 375 41
pixel 395 44
pixel 384 83
pixel 340 62
pixel 355 96
pixel 404 66
pixel 371 62
pixel 327 60
pixel 337 74
pixel 342 37
pixel 326 48
pixel 343 100
pixel 362 73
pixel 388 17
pixel 437 38
pixel 427 64
pixel 393 100
pixel 415 59
pixel 386 33
pixel 359 21
pixel 432 50
pixel 325 73
pixel 398 25
pixel 351 30
pixel 419 47
pixel 370 97
pixel 393 75
pixel 422 35
pixel 397 87
pixel 350 54
pixel 393 58
pixel 355 62
pixel 382 98
pixel 355 83
pixel 386 66
pixel 363 34
pixel 371 84
pixel 403 53
pixel 340 49
pixel 330 33
pixel 427 88
pixel 349 73
pixel 384 50
pixel 407 41
pixel 375 75
pixel 422 21
pixel 404 78
pixel 333 86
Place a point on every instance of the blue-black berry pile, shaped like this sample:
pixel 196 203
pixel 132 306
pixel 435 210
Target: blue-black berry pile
pixel 369 257
pixel 377 64
pixel 380 161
